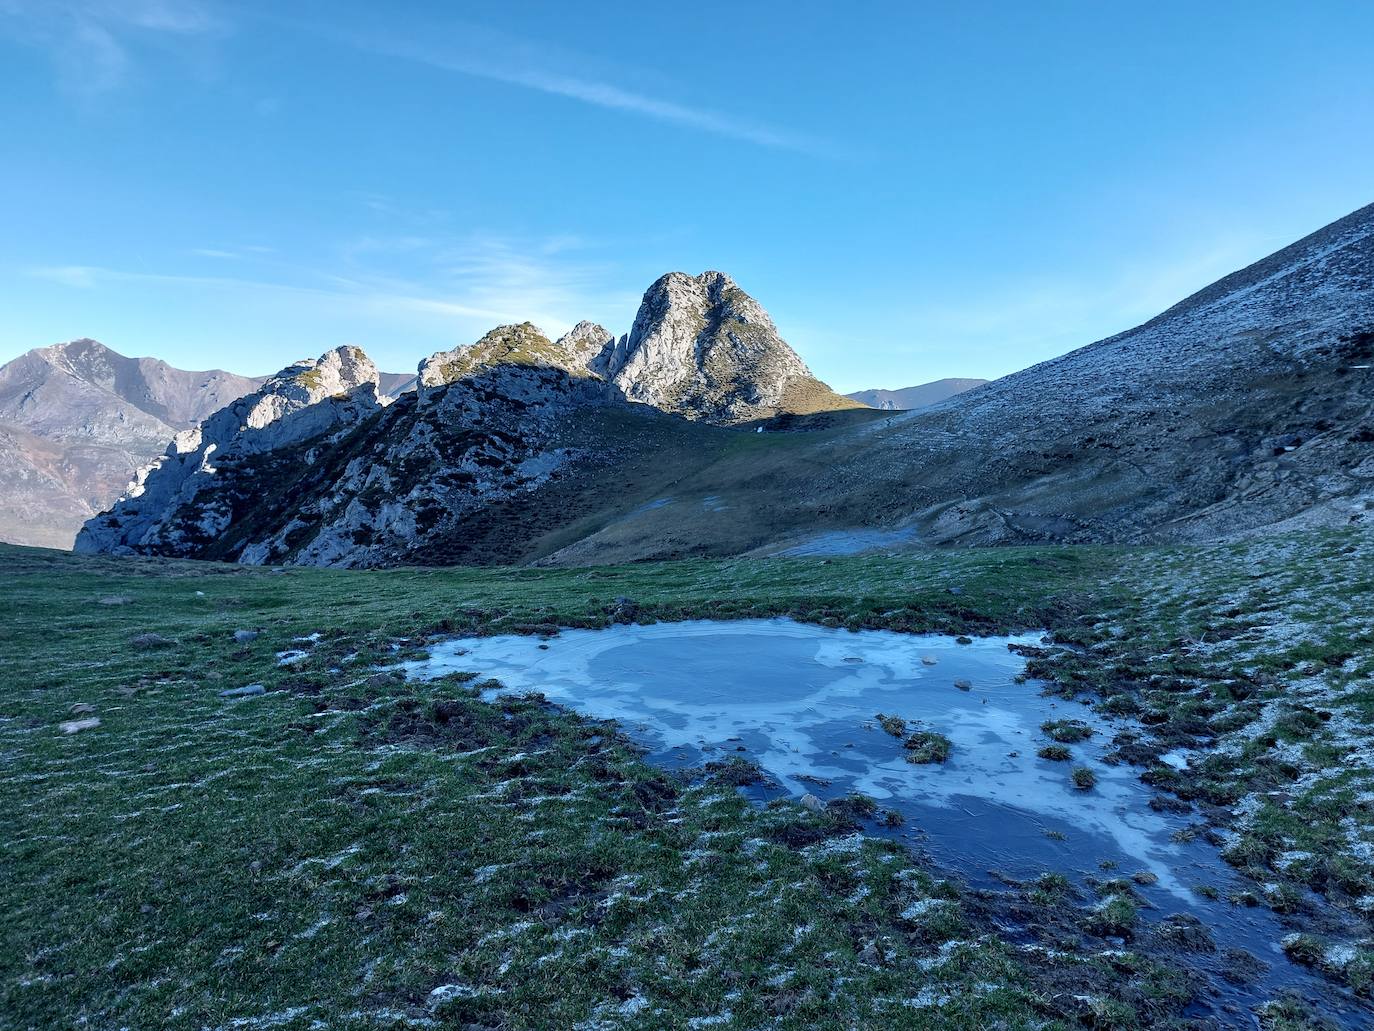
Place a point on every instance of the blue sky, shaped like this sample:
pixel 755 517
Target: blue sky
pixel 912 190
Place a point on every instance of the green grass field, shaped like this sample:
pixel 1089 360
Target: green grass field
pixel 351 850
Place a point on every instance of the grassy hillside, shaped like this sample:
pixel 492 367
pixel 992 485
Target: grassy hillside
pixel 353 849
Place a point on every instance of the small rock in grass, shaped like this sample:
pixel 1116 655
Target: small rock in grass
pixel 244 636
pixel 811 803
pixel 872 955
pixel 1144 877
pixel 448 993
pixel 247 691
pixel 81 709
pixel 76 726
pixel 624 610
pixel 147 642
pixel 963 684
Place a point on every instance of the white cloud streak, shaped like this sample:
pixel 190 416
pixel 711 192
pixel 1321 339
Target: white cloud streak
pixel 520 63
pixel 91 42
pixel 460 287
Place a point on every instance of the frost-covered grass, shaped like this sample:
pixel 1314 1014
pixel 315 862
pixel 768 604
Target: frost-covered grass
pixel 355 850
pixel 352 849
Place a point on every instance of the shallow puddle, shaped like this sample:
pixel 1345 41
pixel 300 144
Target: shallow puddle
pixel 801 701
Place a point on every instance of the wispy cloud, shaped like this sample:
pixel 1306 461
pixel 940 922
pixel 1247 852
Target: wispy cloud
pixel 80 276
pixel 484 54
pixel 552 281
pixel 92 42
pixel 234 253
pixel 456 287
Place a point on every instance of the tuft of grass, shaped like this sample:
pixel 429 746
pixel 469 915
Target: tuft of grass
pixel 1083 778
pixel 1067 732
pixel 927 746
pixel 1115 917
pixel 1055 753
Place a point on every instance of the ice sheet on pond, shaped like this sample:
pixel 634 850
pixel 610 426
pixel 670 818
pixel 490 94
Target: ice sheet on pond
pixel 800 700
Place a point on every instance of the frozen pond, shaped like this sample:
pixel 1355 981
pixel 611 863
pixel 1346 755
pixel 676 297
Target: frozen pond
pixel 801 701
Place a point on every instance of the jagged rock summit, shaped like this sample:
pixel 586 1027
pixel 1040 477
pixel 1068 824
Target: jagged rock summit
pixel 703 348
pixel 517 347
pixel 314 398
pixel 700 347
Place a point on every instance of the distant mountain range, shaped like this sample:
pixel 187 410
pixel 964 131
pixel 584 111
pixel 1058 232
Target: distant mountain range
pixel 1244 408
pixel 910 398
pixel 78 420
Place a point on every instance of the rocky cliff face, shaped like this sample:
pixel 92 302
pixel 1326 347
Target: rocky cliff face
pixel 702 348
pixel 163 511
pixel 339 479
pixel 78 419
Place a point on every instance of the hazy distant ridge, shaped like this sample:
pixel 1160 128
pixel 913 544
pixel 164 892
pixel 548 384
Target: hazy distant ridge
pixel 905 399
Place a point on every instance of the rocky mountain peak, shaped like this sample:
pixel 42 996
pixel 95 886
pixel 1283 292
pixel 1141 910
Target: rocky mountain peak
pixel 523 345
pixel 587 345
pixel 341 371
pixel 703 348
pixel 84 358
